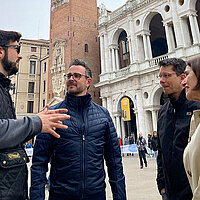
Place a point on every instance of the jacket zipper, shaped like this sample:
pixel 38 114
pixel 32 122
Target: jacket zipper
pixel 83 176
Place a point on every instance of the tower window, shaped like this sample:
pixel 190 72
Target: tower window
pixel 86 48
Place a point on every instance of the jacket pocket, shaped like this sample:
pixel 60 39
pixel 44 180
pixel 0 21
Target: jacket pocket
pixel 14 158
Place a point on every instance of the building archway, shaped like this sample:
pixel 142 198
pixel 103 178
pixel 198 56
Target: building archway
pixel 124 54
pixel 128 117
pixel 158 37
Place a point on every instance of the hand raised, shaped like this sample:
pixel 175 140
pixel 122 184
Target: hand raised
pixel 51 119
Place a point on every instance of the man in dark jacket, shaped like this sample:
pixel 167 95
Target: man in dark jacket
pixel 77 158
pixel 141 145
pixel 14 132
pixel 173 132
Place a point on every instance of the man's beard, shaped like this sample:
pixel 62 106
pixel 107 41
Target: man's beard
pixel 9 67
pixel 76 92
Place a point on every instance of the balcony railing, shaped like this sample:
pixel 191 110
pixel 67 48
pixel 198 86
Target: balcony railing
pixel 154 62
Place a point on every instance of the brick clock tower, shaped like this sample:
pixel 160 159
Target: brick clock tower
pixel 73 34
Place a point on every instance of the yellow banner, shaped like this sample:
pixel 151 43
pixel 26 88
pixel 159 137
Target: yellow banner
pixel 125 106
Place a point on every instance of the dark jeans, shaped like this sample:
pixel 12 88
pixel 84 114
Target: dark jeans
pixel 142 156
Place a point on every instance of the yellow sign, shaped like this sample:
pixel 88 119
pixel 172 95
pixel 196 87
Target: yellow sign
pixel 125 106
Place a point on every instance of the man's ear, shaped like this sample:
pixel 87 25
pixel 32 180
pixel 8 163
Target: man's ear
pixel 182 76
pixel 89 81
pixel 2 53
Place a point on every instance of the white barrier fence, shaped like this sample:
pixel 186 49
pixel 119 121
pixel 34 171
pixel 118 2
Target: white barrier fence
pixel 132 148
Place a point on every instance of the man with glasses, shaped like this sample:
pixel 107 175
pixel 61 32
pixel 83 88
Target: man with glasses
pixel 173 132
pixel 14 132
pixel 77 158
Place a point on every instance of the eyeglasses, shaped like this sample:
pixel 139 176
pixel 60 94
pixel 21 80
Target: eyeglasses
pixel 166 76
pixel 13 45
pixel 75 76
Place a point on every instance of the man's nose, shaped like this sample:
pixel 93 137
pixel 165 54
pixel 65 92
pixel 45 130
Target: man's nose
pixel 162 79
pixel 19 56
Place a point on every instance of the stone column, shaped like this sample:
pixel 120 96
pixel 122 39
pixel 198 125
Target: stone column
pixel 193 29
pixel 104 102
pixel 146 54
pixel 113 59
pixel 131 39
pixel 149 46
pixel 137 123
pixel 117 57
pixel 102 54
pixel 141 121
pixel 118 126
pixel 197 28
pixel 154 118
pixel 106 52
pixel 110 59
pixel 130 50
pixel 185 32
pixel 168 36
pixel 123 129
pixel 176 22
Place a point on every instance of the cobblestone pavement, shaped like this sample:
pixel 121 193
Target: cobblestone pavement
pixel 140 183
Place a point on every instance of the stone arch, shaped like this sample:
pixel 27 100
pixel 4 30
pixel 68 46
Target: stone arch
pixel 127 127
pixel 115 35
pixel 155 95
pixel 120 44
pixel 154 24
pixel 117 101
pixel 148 17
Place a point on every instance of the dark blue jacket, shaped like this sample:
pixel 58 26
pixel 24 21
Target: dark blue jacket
pixel 77 158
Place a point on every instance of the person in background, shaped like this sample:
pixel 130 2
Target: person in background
pixel 141 145
pixel 77 158
pixel 149 142
pixel 192 151
pixel 15 132
pixel 126 141
pixel 131 140
pixel 154 144
pixel 173 132
pixel 120 141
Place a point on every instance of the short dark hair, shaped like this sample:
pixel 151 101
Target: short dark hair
pixel 178 64
pixel 83 64
pixel 194 63
pixel 9 36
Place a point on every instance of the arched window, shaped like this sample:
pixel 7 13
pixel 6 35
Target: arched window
pixel 86 48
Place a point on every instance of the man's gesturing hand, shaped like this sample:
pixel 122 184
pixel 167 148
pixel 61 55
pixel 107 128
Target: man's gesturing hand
pixel 51 119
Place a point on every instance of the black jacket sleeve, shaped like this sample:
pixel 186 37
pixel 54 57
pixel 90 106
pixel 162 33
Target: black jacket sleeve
pixel 160 175
pixel 16 131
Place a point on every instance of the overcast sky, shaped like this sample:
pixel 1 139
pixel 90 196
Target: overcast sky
pixel 31 17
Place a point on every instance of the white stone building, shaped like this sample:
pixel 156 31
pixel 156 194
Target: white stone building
pixel 133 39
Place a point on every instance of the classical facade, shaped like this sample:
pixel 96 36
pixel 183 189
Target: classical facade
pixel 133 39
pixel 73 34
pixel 29 89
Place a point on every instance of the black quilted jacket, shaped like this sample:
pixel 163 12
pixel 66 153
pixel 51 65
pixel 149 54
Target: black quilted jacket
pixel 13 170
pixel 77 158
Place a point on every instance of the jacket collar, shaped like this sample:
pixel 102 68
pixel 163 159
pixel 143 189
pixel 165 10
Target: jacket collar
pixel 78 101
pixel 4 81
pixel 178 102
